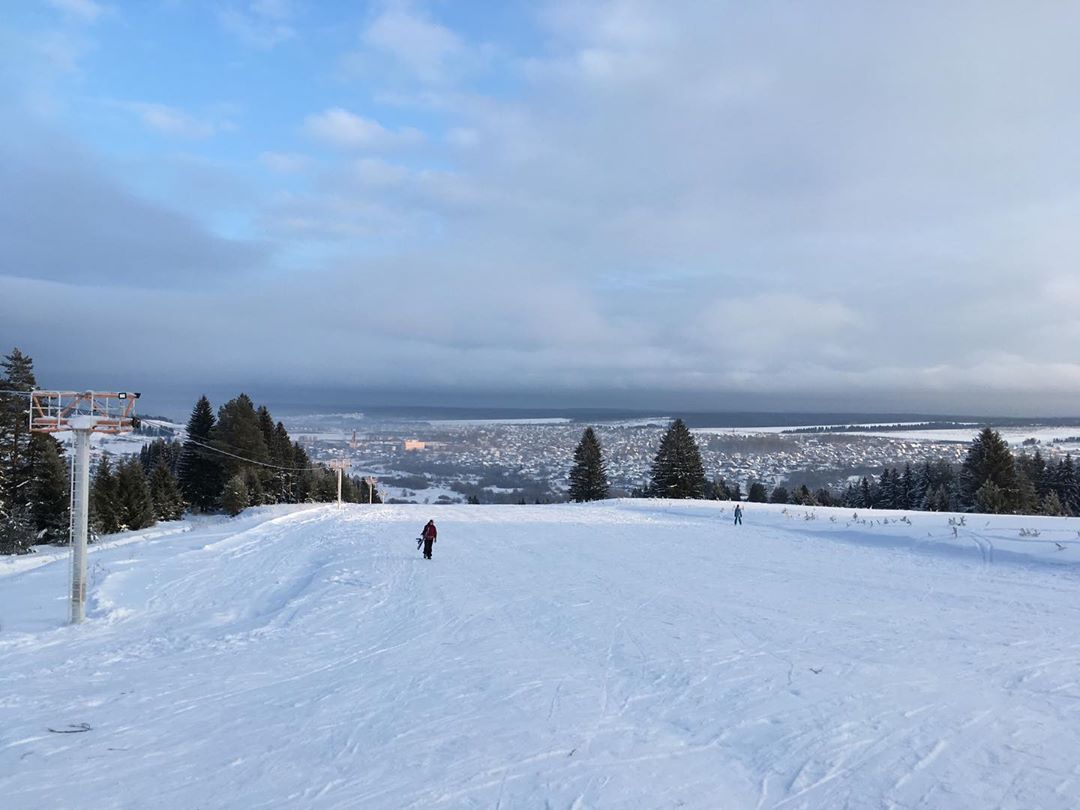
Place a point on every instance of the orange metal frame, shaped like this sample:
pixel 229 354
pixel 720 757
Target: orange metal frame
pixel 50 411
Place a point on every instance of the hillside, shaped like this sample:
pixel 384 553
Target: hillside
pixel 624 655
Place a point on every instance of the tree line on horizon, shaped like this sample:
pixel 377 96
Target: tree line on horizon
pixel 230 460
pixel 991 479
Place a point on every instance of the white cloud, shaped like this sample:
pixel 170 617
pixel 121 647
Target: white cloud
pixel 263 24
pixel 345 130
pixel 705 200
pixel 376 172
pixel 285 162
pixel 174 121
pixel 415 41
pixel 62 51
pixel 84 10
pixel 462 137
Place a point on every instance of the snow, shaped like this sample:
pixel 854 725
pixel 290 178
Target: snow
pixel 622 655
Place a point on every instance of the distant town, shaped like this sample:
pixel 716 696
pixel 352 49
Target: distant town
pixel 514 461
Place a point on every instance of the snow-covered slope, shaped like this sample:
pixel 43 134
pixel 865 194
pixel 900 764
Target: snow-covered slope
pixel 624 655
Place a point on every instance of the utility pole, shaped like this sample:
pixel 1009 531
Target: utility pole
pixel 371 480
pixel 340 465
pixel 82 413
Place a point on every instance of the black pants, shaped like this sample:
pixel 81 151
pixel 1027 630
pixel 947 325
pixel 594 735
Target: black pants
pixel 428 543
pixel 738 519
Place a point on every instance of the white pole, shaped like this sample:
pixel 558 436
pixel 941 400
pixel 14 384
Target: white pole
pixel 79 524
pixel 339 469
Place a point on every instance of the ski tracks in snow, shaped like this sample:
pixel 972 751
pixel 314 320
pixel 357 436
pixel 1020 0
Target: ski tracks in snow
pixel 563 657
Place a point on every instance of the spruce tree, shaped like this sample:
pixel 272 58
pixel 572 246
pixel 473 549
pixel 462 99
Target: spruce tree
pixel 165 493
pixel 235 497
pixel 989 460
pixel 104 499
pixel 161 451
pixel 281 454
pixel 886 490
pixel 135 504
pixel 779 495
pixel 50 490
pixel 238 431
pixel 757 493
pixel 1051 505
pixel 17 521
pixel 677 470
pixel 866 494
pixel 938 500
pixel 588 478
pixel 200 470
pixel 906 489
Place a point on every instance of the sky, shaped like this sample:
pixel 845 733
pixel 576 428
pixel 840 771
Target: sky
pixel 626 203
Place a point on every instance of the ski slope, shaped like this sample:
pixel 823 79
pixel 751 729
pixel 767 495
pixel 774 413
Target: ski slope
pixel 623 655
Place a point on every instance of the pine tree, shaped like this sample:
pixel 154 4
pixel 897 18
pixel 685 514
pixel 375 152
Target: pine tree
pixel 303 478
pixel 282 455
pixel 135 504
pixel 1033 467
pixel 235 497
pixel 104 499
pixel 988 459
pixel 17 530
pixel 238 432
pixel 938 500
pixel 922 488
pixel 1066 485
pixel 886 490
pixel 677 470
pixel 1051 505
pixel 588 478
pixel 992 499
pixel 866 494
pixel 165 493
pixel 16 511
pixel 200 470
pixel 50 489
pixel 718 490
pixel 161 451
pixel 851 497
pixel 906 489
pixel 779 495
pixel 757 493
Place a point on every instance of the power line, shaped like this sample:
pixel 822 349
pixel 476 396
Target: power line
pixel 239 457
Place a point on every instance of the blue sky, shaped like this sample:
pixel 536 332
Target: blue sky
pixel 585 201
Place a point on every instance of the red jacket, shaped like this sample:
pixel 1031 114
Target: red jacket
pixel 430 532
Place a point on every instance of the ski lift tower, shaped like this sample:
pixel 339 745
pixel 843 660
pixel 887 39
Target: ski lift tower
pixel 340 465
pixel 83 413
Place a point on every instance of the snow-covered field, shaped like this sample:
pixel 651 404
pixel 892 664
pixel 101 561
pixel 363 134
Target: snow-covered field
pixel 625 655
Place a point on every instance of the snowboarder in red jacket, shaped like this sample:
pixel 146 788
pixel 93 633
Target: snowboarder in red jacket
pixel 428 535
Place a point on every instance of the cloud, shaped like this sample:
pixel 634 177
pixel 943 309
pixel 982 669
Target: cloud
pixel 285 162
pixel 61 51
pixel 847 205
pixel 63 219
pixel 174 121
pixel 82 10
pixel 342 129
pixel 429 51
pixel 262 24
